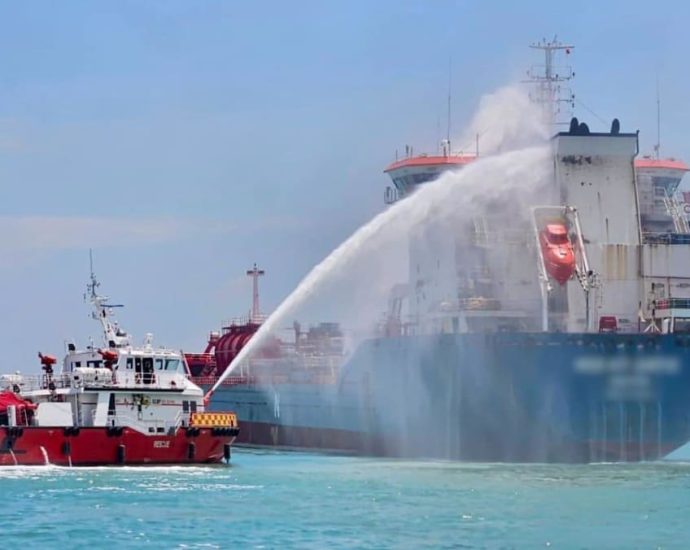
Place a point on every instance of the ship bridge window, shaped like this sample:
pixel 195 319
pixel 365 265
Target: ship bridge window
pixel 130 363
pixel 669 184
pixel 681 325
pixel 172 365
pixel 94 364
pixel 143 369
pixel 421 178
pixel 159 363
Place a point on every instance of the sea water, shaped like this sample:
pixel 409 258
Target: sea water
pixel 294 500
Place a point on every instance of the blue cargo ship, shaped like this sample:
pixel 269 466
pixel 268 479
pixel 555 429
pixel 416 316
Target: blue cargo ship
pixel 483 397
pixel 582 354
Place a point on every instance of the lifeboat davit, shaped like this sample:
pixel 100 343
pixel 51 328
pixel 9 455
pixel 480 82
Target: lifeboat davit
pixel 558 253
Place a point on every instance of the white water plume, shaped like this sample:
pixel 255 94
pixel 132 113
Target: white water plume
pixel 451 200
pixel 506 120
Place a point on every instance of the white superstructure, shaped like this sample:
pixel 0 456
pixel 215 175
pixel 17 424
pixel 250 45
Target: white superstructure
pixel 118 384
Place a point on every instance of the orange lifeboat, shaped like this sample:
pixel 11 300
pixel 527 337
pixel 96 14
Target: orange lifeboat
pixel 558 253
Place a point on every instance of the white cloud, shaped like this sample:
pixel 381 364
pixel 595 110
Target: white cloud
pixel 28 234
pixel 45 233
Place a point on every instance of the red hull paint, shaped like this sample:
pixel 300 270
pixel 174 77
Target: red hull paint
pixel 95 447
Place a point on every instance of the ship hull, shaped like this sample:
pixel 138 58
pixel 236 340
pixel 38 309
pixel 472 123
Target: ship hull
pixel 32 446
pixel 511 397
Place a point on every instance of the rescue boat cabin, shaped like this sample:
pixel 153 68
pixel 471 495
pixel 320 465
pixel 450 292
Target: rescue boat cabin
pixel 158 368
pixel 142 387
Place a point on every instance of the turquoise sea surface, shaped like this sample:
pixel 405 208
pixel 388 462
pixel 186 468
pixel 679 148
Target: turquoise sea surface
pixel 295 500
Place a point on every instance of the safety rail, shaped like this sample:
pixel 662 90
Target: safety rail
pixel 242 321
pixel 155 381
pixel 37 382
pixel 75 380
pixel 229 381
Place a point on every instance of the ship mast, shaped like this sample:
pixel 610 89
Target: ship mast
pixel 548 80
pixel 114 337
pixel 255 273
pixel 657 146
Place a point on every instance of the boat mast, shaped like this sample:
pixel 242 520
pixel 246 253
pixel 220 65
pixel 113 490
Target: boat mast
pixel 114 337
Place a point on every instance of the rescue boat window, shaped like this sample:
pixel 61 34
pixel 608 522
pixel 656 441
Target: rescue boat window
pixel 557 238
pixel 147 369
pixel 172 364
pixel 130 363
pixel 159 364
pixel 137 365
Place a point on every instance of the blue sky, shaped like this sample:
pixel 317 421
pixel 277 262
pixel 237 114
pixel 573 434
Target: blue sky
pixel 185 140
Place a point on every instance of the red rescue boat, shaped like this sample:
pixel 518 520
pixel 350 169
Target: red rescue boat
pixel 120 404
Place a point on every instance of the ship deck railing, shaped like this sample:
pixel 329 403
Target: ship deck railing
pixel 298 377
pixel 243 321
pixel 67 380
pixel 229 381
pixel 37 382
